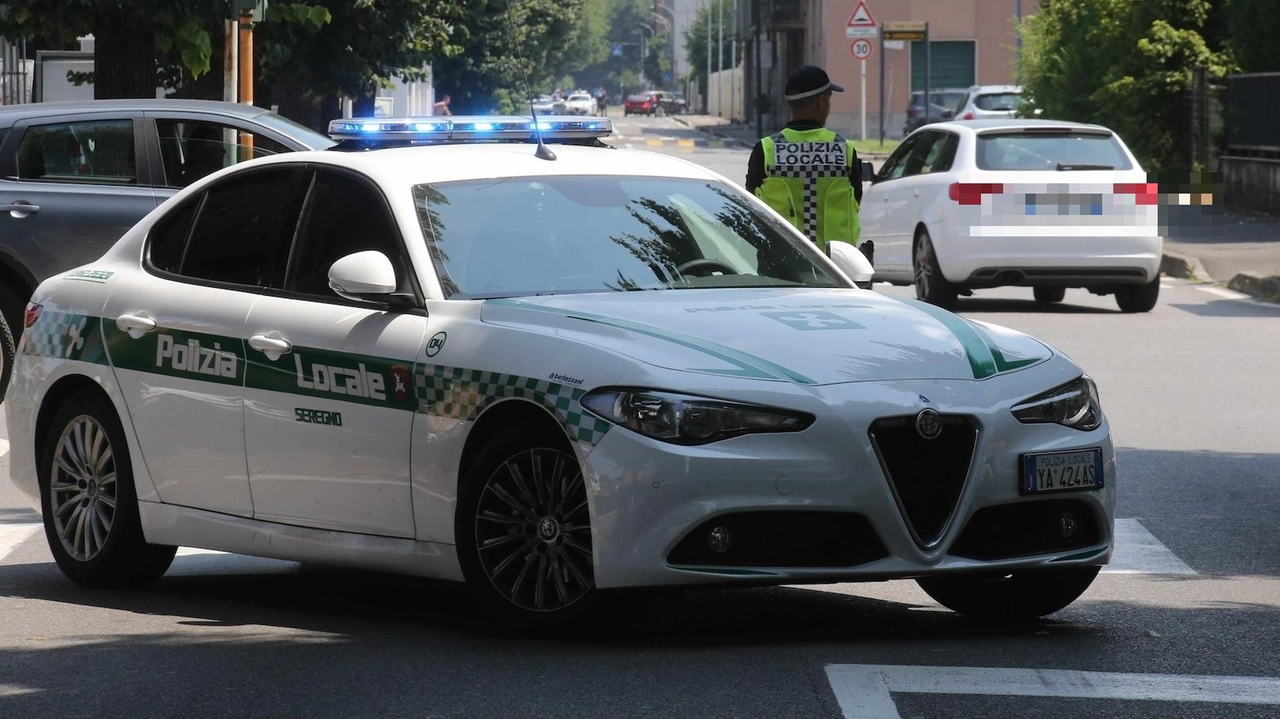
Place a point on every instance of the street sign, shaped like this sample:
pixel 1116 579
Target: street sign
pixel 861 16
pixel 869 33
pixel 908 30
pixel 860 49
pixel 894 45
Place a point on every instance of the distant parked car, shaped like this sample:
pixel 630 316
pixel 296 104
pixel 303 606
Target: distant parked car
pixel 986 102
pixel 942 103
pixel 77 175
pixel 580 103
pixel 641 104
pixel 671 103
pixel 545 105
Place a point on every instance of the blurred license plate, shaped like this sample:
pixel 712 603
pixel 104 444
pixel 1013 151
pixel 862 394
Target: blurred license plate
pixel 1061 471
pixel 1059 204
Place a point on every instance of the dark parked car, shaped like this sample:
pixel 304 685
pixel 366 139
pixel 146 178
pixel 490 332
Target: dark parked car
pixel 941 107
pixel 76 176
pixel 671 103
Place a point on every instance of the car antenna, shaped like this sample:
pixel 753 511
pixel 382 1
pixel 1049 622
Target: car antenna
pixel 543 152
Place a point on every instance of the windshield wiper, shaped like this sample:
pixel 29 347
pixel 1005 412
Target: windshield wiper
pixel 1063 166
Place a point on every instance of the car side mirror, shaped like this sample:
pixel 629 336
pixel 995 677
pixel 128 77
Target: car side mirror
pixel 867 171
pixel 855 265
pixel 948 114
pixel 364 275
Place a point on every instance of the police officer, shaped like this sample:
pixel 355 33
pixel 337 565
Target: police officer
pixel 807 173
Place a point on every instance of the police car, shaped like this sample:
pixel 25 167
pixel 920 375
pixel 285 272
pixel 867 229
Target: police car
pixel 507 354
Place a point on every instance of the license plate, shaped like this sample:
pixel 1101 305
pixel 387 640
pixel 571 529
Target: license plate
pixel 1061 471
pixel 1058 204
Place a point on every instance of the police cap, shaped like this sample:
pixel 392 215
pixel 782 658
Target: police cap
pixel 807 81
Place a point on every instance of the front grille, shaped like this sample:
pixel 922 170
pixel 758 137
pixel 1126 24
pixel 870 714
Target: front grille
pixel 926 475
pixel 1027 528
pixel 783 539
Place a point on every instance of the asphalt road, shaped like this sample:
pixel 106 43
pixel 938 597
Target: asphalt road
pixel 1185 623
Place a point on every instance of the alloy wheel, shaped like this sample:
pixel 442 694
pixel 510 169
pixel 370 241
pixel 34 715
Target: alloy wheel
pixel 924 268
pixel 82 489
pixel 533 531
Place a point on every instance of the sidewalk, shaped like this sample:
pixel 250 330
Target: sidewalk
pixel 1202 243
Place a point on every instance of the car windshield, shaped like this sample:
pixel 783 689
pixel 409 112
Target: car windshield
pixel 1050 151
pixel 1001 101
pixel 579 98
pixel 551 235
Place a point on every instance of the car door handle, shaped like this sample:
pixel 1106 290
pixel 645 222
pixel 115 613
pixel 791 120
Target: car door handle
pixel 272 347
pixel 22 208
pixel 136 325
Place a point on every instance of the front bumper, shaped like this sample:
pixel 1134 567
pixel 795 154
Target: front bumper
pixel 653 504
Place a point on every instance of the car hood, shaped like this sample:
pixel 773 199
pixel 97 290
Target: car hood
pixel 805 336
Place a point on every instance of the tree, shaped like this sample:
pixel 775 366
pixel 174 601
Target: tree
pixel 695 40
pixel 364 46
pixel 514 43
pixel 1252 27
pixel 128 35
pixel 1121 63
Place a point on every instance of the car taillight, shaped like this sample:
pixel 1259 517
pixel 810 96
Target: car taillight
pixel 970 193
pixel 1144 193
pixel 967 116
pixel 33 314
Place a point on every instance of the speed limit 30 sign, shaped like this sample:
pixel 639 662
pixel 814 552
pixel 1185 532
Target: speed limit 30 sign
pixel 860 49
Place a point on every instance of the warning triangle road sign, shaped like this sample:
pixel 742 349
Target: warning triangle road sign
pixel 861 16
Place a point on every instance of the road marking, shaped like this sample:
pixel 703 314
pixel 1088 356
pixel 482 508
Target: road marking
pixel 863 690
pixel 1139 552
pixel 13 535
pixel 193 561
pixel 1220 292
pixel 4 447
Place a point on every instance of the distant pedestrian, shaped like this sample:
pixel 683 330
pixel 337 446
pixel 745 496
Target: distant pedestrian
pixel 808 174
pixel 602 102
pixel 442 107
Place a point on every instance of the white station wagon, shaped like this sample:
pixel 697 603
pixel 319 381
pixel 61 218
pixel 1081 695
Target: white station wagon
pixel 436 351
pixel 1049 205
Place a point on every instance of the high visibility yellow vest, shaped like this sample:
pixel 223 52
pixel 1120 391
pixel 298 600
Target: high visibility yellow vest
pixel 807 182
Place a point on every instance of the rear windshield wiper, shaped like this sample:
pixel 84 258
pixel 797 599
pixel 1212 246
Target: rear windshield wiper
pixel 1064 167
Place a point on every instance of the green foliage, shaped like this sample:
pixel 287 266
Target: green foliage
pixel 1253 26
pixel 509 41
pixel 708 18
pixel 1125 64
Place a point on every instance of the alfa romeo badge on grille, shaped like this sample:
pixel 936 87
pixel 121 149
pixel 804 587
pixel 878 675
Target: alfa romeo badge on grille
pixel 929 423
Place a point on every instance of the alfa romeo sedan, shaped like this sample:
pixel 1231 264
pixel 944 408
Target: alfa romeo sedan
pixel 961 206
pixel 438 351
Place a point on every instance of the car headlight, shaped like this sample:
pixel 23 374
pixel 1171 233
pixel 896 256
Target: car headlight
pixel 688 420
pixel 1074 404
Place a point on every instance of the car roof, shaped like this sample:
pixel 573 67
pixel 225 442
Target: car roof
pixel 477 161
pixel 1011 123
pixel 48 109
pixel 995 88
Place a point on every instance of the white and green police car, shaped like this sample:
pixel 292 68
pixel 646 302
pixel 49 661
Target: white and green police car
pixel 436 351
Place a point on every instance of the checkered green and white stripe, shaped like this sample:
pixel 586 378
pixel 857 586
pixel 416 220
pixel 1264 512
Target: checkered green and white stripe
pixel 461 393
pixel 59 335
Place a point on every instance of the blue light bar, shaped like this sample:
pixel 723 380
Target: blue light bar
pixel 468 128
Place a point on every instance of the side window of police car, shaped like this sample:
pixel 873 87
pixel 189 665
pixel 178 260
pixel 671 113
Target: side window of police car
pixel 241 231
pixel 343 214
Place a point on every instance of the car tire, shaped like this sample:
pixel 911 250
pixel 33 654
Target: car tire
pixel 931 285
pixel 1049 294
pixel 13 306
pixel 89 502
pixel 523 536
pixel 1138 298
pixel 1014 597
pixel 7 354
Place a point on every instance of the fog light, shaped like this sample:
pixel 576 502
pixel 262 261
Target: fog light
pixel 720 539
pixel 1067 525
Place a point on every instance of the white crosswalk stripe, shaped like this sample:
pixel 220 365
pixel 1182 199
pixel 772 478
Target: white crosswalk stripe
pixel 13 535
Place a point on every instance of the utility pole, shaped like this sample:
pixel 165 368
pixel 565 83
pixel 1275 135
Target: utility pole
pixel 1017 35
pixel 229 62
pixel 720 59
pixel 246 70
pixel 733 58
pixel 706 102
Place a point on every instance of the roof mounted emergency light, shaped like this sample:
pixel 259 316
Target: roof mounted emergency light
pixel 468 128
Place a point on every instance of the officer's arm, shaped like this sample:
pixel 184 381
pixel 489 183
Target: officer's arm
pixel 755 168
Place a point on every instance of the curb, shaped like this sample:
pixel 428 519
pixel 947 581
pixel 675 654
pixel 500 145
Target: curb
pixel 1256 285
pixel 1263 287
pixel 1176 264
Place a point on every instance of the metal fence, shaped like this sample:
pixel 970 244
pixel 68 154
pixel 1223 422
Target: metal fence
pixel 1252 108
pixel 15 73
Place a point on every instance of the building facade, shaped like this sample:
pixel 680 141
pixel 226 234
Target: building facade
pixel 971 42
